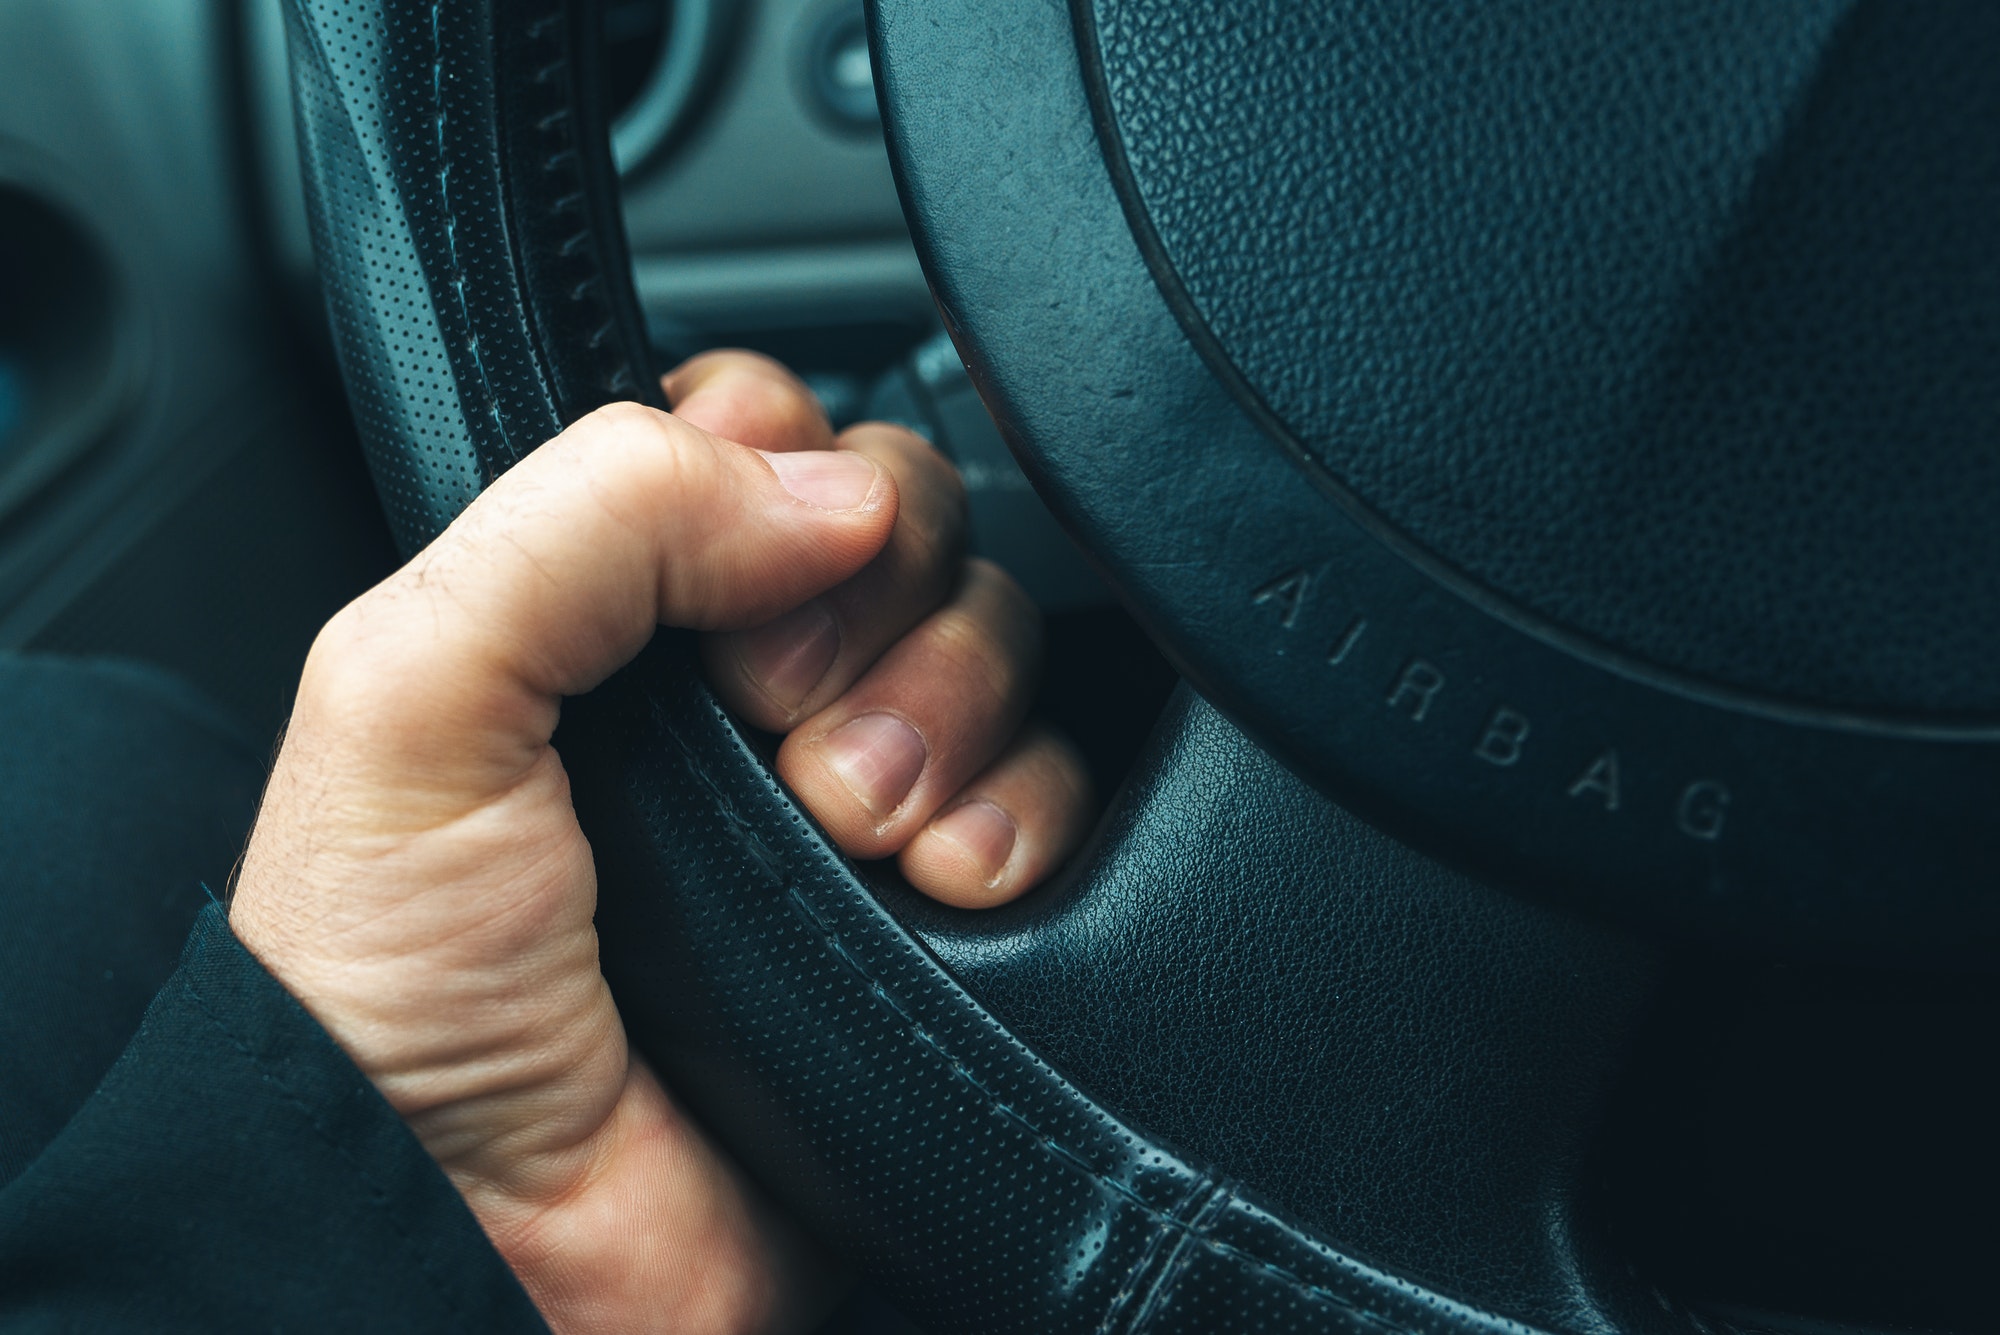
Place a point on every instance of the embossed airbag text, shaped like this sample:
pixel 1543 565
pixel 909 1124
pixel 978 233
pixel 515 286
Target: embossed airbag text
pixel 1418 685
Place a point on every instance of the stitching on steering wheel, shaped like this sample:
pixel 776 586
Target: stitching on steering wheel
pixel 1167 1220
pixel 917 1028
pixel 1207 1194
pixel 1201 1189
pixel 763 856
pixel 451 221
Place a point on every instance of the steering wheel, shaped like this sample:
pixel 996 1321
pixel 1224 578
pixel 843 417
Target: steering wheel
pixel 1553 440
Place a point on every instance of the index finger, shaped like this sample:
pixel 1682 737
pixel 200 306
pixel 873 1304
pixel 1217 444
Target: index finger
pixel 750 399
pixel 560 571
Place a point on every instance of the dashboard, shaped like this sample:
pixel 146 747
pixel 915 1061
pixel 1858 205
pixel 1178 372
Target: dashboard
pixel 758 197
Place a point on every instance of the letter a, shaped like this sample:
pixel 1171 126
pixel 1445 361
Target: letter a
pixel 1601 778
pixel 1288 592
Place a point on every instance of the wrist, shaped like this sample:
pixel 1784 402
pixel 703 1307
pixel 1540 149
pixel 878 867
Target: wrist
pixel 593 1237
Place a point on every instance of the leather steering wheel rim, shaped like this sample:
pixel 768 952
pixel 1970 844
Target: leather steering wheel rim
pixel 848 1042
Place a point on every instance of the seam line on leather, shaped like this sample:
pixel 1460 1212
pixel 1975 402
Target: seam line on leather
pixel 1149 1252
pixel 492 404
pixel 1228 1252
pixel 767 860
pixel 1193 1204
pixel 1219 1198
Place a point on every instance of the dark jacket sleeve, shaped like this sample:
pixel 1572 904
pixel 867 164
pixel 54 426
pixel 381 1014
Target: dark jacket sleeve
pixel 234 1171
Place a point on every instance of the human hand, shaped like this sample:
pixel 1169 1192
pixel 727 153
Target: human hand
pixel 417 877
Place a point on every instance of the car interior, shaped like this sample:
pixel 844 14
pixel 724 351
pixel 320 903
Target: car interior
pixel 1648 989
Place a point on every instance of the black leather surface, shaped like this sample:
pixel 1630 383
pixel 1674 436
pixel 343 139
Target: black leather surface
pixel 1676 322
pixel 1404 1060
pixel 922 1138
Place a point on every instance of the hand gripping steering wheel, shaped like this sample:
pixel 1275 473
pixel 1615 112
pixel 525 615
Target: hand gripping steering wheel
pixel 1560 432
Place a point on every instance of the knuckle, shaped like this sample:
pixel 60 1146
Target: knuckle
pixel 940 475
pixel 1010 605
pixel 375 668
pixel 625 419
pixel 657 466
pixel 988 637
pixel 721 363
pixel 893 437
pixel 931 556
pixel 333 654
pixel 751 398
pixel 1065 765
pixel 925 468
pixel 967 650
pixel 346 675
pixel 798 405
pixel 362 641
pixel 699 374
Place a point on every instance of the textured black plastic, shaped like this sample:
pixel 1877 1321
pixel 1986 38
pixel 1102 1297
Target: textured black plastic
pixel 1538 757
pixel 471 252
pixel 1676 324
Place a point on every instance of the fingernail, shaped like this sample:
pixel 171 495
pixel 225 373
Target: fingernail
pixel 879 757
pixel 984 831
pixel 829 479
pixel 787 657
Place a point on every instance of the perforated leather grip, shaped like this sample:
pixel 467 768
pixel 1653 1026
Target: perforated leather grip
pixel 464 211
pixel 464 217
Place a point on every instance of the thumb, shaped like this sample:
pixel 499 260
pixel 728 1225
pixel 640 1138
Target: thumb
pixel 558 574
